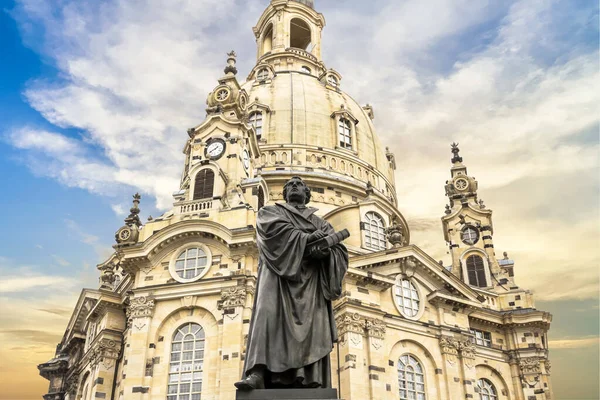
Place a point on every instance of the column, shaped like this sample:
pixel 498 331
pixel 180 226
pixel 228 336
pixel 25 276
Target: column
pixel 452 368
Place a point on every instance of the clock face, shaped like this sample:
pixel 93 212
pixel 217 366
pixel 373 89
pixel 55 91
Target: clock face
pixel 461 184
pixel 124 234
pixel 215 148
pixel 243 102
pixel 222 94
pixel 246 159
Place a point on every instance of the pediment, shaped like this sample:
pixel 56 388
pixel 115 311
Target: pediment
pixel 85 304
pixel 411 261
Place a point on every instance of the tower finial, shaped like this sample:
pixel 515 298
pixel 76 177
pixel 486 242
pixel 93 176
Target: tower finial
pixel 455 150
pixel 231 60
pixel 134 218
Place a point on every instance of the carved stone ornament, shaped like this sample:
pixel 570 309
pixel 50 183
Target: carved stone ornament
pixel 353 323
pixel 140 307
pixel 106 351
pixel 530 365
pixel 375 328
pixel 548 366
pixel 72 383
pixel 108 276
pixel 450 347
pixel 232 297
pixel 395 233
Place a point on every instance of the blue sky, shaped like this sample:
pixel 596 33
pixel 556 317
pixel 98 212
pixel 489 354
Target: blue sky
pixel 96 97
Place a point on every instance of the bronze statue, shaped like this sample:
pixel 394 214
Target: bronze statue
pixel 292 329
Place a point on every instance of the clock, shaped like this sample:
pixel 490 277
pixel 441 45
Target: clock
pixel 215 148
pixel 222 94
pixel 461 184
pixel 243 102
pixel 246 159
pixel 126 235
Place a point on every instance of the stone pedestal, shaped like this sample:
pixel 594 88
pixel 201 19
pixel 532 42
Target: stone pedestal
pixel 288 394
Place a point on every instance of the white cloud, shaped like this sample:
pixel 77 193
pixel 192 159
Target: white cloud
pixel 514 82
pixel 574 343
pixel 27 281
pixel 61 261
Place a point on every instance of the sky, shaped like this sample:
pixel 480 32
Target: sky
pixel 96 97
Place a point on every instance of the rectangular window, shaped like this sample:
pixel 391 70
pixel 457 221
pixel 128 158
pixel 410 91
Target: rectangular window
pixel 482 338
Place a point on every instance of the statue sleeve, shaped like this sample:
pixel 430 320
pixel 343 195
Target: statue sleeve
pixel 281 244
pixel 333 269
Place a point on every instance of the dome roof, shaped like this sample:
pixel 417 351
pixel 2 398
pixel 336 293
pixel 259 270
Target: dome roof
pixel 303 110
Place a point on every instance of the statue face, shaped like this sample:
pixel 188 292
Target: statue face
pixel 295 191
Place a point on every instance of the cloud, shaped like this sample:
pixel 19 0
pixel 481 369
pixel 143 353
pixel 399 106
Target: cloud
pixel 29 281
pixel 574 343
pixel 61 261
pixel 517 83
pixel 102 250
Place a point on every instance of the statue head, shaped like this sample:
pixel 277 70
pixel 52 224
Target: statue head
pixel 297 190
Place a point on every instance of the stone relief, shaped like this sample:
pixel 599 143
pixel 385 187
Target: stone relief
pixel 530 365
pixel 232 297
pixel 140 307
pixel 106 351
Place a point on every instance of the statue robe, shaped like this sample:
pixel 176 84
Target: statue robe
pixel 292 330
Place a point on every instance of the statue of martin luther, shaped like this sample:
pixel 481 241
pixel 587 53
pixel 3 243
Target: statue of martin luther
pixel 292 329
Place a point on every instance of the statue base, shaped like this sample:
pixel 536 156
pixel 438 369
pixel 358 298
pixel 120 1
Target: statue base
pixel 287 394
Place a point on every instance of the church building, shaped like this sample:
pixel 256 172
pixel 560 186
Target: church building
pixel 170 318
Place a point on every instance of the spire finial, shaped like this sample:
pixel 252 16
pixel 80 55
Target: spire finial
pixel 455 150
pixel 231 60
pixel 134 218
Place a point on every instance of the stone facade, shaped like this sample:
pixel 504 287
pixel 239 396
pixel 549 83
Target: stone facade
pixel 172 311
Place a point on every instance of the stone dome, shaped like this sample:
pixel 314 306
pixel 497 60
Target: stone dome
pixel 302 111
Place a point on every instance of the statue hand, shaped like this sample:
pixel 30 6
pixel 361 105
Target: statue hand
pixel 316 235
pixel 318 253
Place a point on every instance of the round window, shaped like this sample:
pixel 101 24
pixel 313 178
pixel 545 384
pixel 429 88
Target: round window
pixel 407 299
pixel 190 262
pixel 469 235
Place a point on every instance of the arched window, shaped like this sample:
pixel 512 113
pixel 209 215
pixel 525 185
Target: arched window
pixel 411 380
pixel 256 120
pixel 186 365
pixel 268 40
pixel 476 271
pixel 204 184
pixel 300 35
pixel 305 69
pixel 407 297
pixel 345 133
pixel 487 391
pixel 375 232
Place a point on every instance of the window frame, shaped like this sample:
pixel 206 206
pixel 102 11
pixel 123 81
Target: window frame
pixel 195 180
pixel 254 123
pixel 478 270
pixel 481 386
pixel 413 286
pixel 176 256
pixel 345 132
pixel 470 228
pixel 481 338
pixel 415 382
pixel 196 347
pixel 381 233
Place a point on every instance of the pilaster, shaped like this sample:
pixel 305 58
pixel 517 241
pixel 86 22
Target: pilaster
pixel 353 356
pixel 139 317
pixel 232 303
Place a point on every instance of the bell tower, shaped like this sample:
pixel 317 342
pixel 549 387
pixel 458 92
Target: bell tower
pixel 289 30
pixel 468 228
